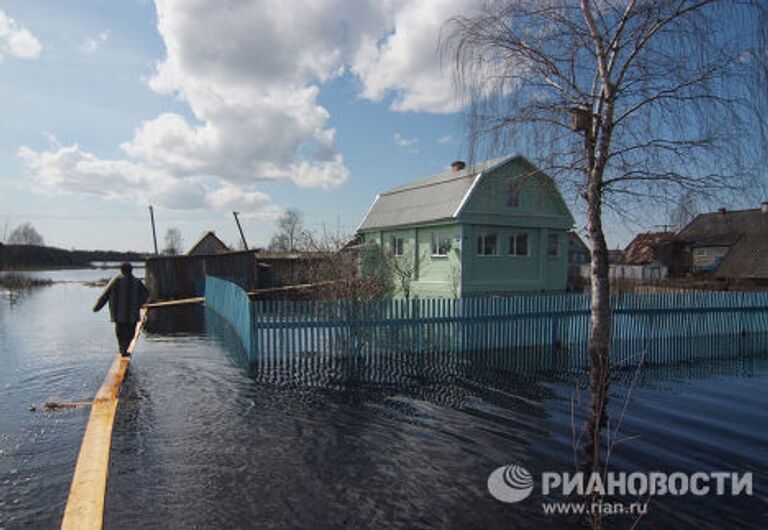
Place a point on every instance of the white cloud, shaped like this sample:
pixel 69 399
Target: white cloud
pixel 270 212
pixel 250 72
pixel 406 63
pixel 16 40
pixel 231 197
pixel 402 141
pixel 409 144
pixel 91 44
pixel 447 139
pixel 71 170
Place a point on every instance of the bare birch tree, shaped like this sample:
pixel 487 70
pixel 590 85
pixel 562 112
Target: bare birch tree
pixel 174 244
pixel 25 234
pixel 402 269
pixel 629 100
pixel 291 233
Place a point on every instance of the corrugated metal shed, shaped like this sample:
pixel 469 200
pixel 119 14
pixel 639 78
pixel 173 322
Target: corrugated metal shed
pixel 431 199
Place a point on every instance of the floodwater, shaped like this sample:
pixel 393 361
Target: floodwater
pixel 202 442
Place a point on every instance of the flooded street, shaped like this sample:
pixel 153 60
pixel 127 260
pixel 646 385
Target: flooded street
pixel 52 347
pixel 199 441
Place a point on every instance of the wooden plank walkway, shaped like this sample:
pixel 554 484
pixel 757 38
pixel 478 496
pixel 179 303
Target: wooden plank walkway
pixel 181 301
pixel 85 505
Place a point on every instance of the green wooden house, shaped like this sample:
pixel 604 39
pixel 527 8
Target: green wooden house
pixel 492 228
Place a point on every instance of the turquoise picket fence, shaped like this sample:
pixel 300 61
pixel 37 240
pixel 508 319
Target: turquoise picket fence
pixel 283 332
pixel 232 303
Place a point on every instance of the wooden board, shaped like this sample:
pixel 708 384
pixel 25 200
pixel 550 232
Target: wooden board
pixel 182 301
pixel 85 505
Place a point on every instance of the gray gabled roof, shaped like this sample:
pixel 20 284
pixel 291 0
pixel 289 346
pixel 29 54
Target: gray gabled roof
pixel 431 199
pixel 723 228
pixel 746 259
pixel 745 231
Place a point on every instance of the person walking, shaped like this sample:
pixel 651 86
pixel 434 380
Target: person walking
pixel 125 294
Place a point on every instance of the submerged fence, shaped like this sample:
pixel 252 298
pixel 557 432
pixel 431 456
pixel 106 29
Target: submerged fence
pixel 280 332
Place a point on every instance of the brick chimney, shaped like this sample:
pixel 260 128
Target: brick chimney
pixel 458 165
pixel 721 211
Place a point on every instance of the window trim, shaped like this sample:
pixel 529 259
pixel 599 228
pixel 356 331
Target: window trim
pixel 557 253
pixel 434 243
pixel 481 243
pixel 513 245
pixel 512 198
pixel 394 247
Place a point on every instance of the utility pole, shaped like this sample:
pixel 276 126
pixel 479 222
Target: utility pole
pixel 245 243
pixel 154 233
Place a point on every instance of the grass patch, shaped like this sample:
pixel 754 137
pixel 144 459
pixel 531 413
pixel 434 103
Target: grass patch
pixel 12 280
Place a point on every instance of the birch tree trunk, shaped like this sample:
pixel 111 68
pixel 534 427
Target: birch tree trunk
pixel 650 100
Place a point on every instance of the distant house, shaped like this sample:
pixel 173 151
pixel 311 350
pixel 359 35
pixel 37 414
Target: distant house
pixel 640 261
pixel 495 227
pixel 615 255
pixel 723 244
pixel 579 257
pixel 578 251
pixel 208 244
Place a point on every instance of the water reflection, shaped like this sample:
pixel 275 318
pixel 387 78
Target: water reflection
pixel 408 441
pixel 184 320
pixel 203 439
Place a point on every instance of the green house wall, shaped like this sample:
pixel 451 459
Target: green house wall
pixel 539 212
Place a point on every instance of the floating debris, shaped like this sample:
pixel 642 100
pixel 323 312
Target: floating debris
pixel 55 404
pixel 96 283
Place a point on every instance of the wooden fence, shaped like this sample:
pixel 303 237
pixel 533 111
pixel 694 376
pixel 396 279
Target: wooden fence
pixel 280 332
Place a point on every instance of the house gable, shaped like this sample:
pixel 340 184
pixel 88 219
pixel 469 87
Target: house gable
pixel 209 243
pixel 515 193
pixel 504 221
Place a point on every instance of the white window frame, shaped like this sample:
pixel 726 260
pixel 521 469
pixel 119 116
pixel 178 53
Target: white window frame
pixel 397 245
pixel 512 198
pixel 481 244
pixel 513 245
pixel 557 246
pixel 436 238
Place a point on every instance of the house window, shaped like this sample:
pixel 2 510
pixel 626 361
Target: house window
pixel 396 246
pixel 518 245
pixel 488 244
pixel 441 243
pixel 513 195
pixel 553 245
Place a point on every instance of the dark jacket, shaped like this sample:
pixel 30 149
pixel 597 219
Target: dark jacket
pixel 126 294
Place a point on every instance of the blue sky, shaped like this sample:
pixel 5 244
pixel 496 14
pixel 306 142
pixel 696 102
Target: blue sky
pixel 259 106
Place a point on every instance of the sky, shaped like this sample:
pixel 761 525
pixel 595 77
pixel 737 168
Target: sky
pixel 255 106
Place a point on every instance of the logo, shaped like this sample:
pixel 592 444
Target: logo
pixel 510 483
pixel 513 483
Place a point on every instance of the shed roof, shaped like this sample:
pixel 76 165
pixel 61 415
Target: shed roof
pixel 434 198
